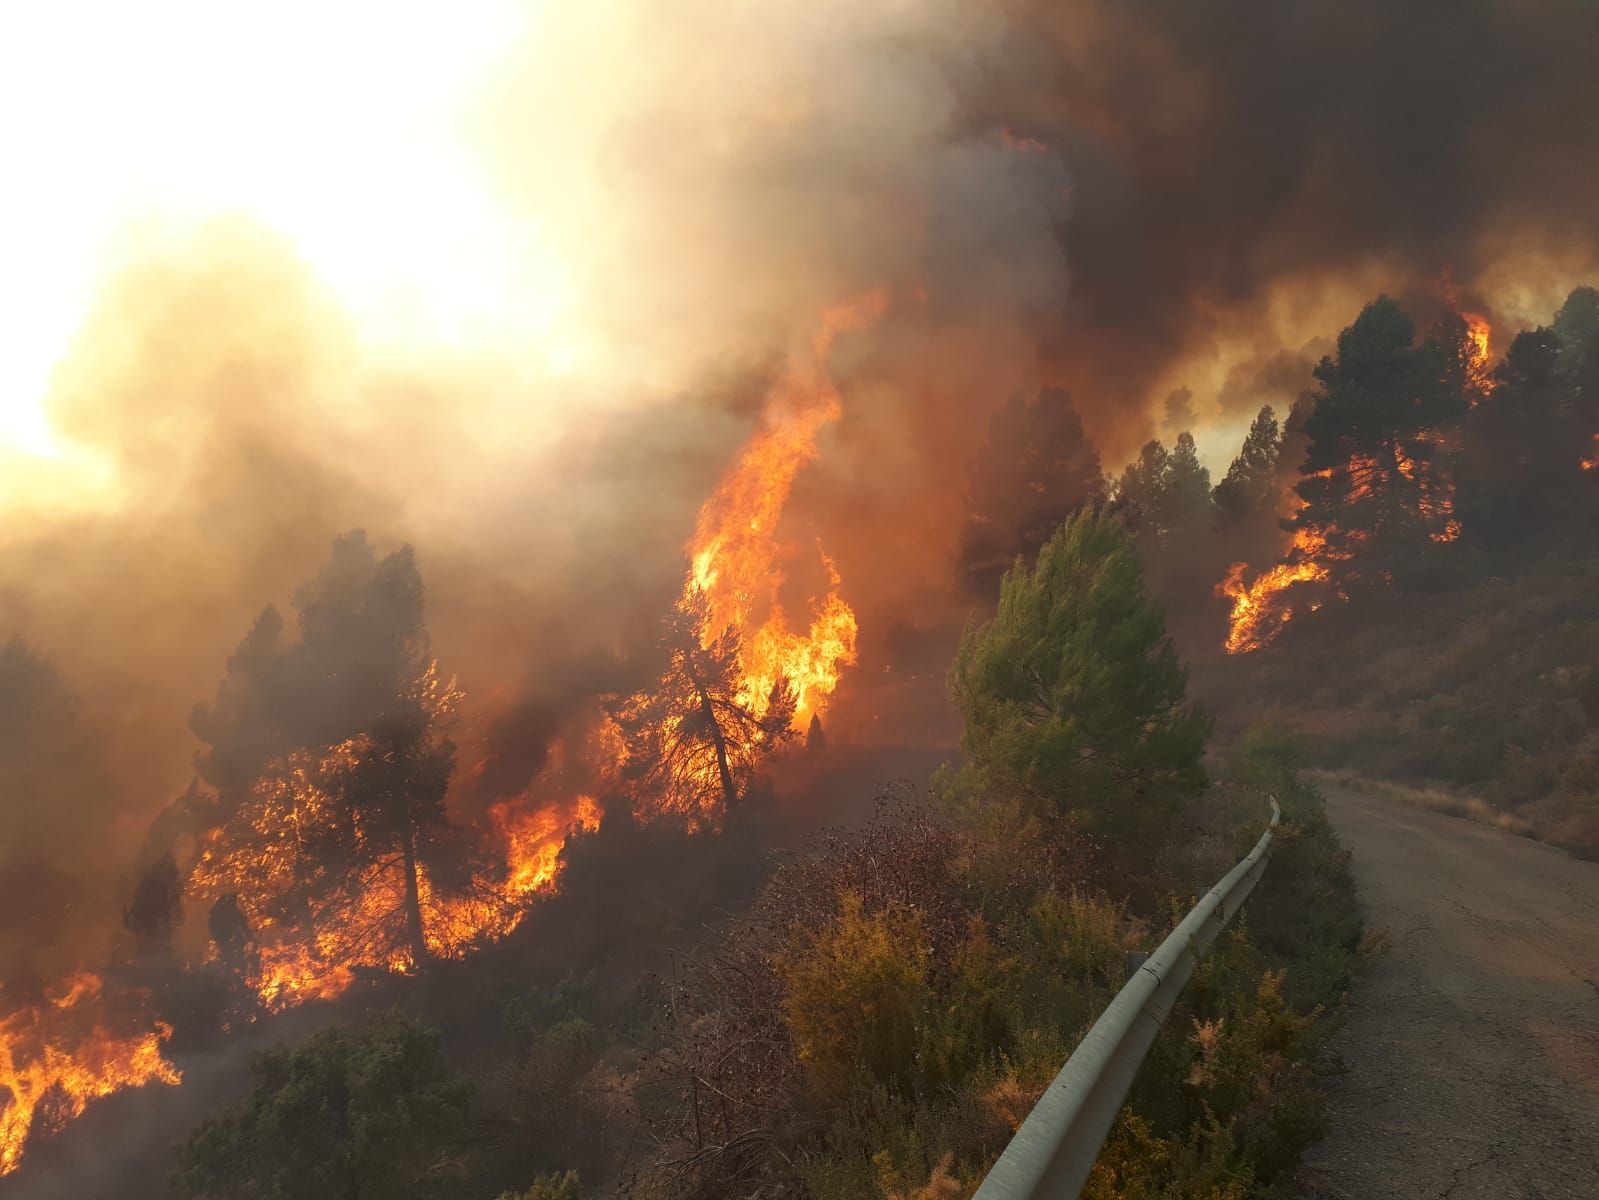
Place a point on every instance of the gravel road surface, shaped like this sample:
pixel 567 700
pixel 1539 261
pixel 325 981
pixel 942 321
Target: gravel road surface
pixel 1473 1045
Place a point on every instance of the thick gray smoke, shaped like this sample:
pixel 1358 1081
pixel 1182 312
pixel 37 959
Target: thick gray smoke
pixel 1124 199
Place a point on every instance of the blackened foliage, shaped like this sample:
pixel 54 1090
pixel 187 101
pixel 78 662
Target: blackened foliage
pixel 157 906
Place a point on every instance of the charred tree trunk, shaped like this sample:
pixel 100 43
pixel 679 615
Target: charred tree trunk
pixel 729 792
pixel 413 902
pixel 718 740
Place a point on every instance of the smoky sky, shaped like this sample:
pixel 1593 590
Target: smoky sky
pixel 1224 153
pixel 1122 198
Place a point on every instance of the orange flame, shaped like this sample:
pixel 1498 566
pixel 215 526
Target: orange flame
pixel 318 960
pixel 735 554
pixel 533 840
pixel 61 1055
pixel 1259 609
pixel 1477 370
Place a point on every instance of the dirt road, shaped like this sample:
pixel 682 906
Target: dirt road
pixel 1473 1047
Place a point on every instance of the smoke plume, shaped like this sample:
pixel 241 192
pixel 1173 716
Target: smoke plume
pixel 1120 199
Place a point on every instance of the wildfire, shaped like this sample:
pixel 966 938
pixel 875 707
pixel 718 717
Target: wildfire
pixel 57 1056
pixel 1259 609
pixel 1418 487
pixel 533 840
pixel 734 557
pixel 1592 461
pixel 293 955
pixel 290 943
pixel 1478 330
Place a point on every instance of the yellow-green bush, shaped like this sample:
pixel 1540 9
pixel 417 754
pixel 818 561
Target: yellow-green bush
pixel 856 1001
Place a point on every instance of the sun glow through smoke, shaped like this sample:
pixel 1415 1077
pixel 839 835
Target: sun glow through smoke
pixel 337 125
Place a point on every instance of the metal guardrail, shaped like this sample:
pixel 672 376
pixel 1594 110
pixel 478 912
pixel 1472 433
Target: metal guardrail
pixel 1054 1150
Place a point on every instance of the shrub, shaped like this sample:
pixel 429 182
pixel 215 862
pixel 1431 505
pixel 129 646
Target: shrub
pixel 372 1114
pixel 857 1000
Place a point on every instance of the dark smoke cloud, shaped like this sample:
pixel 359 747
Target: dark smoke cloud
pixel 1244 169
pixel 1123 199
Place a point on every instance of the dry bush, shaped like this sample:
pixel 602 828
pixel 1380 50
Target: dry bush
pixel 730 1099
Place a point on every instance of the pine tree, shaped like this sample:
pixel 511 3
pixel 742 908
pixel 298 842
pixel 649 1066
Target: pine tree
pixel 694 741
pixel 1531 439
pixel 1521 448
pixel 1141 490
pixel 1250 485
pixel 1187 489
pixel 1373 475
pixel 1036 468
pixel 1165 493
pixel 1073 695
pixel 156 909
pixel 374 1112
pixel 1576 325
pixel 329 765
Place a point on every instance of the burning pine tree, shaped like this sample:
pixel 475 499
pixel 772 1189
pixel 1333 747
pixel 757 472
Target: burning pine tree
pixel 1376 493
pixel 327 846
pixel 694 740
pixel 739 681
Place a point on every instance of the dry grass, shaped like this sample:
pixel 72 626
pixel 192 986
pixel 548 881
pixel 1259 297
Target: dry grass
pixel 1440 800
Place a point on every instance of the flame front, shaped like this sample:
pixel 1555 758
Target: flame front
pixel 1408 479
pixel 735 556
pixel 57 1056
pixel 1259 608
pixel 734 572
pixel 533 840
pixel 295 956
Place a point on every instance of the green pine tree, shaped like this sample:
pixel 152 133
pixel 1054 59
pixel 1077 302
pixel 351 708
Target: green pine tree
pixel 1166 493
pixel 372 1114
pixel 1073 696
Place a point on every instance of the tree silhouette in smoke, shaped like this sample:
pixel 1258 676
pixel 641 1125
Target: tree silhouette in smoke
pixel 1250 485
pixel 52 782
pixel 1527 441
pixel 1165 494
pixel 156 910
pixel 1036 468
